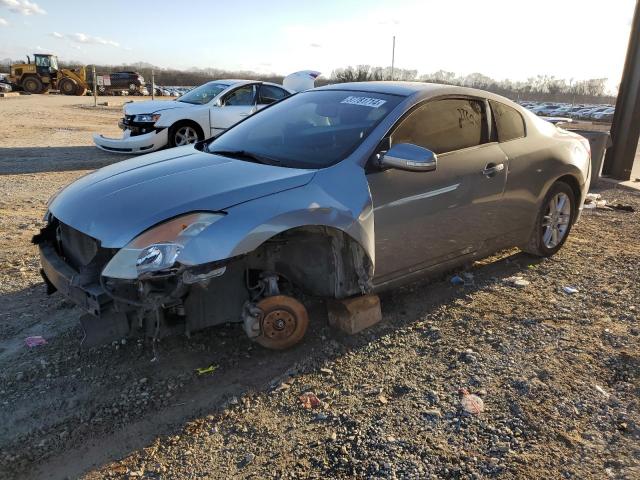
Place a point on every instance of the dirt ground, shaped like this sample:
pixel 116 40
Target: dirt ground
pixel 559 373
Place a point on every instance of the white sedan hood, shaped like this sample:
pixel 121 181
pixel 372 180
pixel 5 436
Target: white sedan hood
pixel 153 106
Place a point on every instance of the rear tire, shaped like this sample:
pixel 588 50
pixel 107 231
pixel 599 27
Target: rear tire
pixel 32 85
pixel 554 221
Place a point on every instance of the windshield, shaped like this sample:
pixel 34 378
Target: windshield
pixel 203 94
pixel 314 129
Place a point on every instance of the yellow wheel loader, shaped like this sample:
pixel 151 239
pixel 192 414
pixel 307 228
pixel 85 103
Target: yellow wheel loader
pixel 44 74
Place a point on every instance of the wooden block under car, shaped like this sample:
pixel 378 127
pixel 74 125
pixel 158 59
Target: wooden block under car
pixel 354 314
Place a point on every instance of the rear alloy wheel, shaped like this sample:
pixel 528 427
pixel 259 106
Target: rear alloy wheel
pixel 183 135
pixel 32 85
pixel 133 88
pixel 284 322
pixel 554 221
pixel 68 86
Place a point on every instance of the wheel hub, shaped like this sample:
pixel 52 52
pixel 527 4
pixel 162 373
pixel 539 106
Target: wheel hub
pixel 278 324
pixel 283 321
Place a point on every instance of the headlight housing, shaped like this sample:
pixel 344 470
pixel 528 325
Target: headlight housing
pixel 158 248
pixel 146 118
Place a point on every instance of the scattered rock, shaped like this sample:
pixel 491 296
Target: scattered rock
pixel 517 281
pixel 309 400
pixel 471 403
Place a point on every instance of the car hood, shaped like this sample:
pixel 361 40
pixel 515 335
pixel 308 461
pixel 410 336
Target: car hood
pixel 153 106
pixel 118 202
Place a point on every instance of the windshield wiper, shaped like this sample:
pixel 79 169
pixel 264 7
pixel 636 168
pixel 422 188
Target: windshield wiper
pixel 245 155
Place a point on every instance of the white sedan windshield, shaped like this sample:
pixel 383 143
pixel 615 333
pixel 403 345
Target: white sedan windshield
pixel 203 94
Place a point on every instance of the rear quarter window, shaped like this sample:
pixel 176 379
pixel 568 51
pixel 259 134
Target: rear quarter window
pixel 509 122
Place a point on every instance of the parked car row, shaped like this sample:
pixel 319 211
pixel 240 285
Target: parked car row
pixel 169 91
pixel 598 113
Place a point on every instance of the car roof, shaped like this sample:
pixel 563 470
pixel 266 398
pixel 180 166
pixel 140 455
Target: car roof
pixel 234 82
pixel 392 88
pixel 416 89
pixel 419 90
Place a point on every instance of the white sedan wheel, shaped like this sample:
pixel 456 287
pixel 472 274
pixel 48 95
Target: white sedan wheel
pixel 185 136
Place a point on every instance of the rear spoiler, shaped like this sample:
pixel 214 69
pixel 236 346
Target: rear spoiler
pixel 300 81
pixel 557 120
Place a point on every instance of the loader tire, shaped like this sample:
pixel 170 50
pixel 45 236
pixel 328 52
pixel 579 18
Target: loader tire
pixel 67 86
pixel 32 85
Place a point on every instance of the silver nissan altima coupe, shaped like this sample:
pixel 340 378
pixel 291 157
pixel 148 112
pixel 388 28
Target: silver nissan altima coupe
pixel 335 192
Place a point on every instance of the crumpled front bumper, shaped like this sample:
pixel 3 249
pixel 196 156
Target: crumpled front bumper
pixel 149 142
pixel 61 277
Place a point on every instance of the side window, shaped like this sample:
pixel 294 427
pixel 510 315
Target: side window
pixel 509 122
pixel 241 97
pixel 444 125
pixel 270 94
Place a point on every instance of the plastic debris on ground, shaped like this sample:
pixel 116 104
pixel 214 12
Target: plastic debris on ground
pixel 594 200
pixel 570 290
pixel 471 403
pixel 309 400
pixel 517 281
pixel 206 370
pixel 457 280
pixel 34 341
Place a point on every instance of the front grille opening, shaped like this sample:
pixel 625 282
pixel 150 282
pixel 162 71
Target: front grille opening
pixel 79 250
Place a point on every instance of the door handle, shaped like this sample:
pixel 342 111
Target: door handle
pixel 244 114
pixel 491 169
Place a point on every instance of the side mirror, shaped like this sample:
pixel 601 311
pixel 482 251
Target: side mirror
pixel 406 156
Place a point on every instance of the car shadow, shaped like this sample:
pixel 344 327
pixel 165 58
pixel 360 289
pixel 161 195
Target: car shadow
pixel 18 160
pixel 241 367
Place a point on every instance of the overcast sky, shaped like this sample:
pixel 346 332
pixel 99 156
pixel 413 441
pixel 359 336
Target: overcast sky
pixel 501 38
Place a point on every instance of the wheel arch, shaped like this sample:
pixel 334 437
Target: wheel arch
pixel 323 260
pixel 574 184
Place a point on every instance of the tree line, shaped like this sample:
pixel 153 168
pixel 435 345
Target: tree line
pixel 540 87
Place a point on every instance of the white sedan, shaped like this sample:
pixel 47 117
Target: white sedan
pixel 205 111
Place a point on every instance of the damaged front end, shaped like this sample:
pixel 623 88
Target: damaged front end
pixel 140 135
pixel 135 290
pixel 143 289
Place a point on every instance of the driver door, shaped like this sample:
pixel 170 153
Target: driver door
pixel 423 219
pixel 235 106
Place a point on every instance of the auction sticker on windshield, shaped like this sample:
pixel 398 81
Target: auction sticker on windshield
pixel 364 101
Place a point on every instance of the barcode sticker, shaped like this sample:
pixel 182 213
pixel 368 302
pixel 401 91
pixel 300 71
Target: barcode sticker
pixel 364 101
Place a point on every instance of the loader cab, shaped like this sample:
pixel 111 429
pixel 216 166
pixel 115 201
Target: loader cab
pixel 45 64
